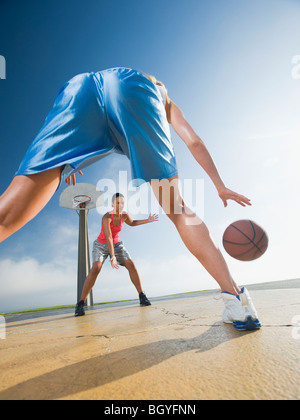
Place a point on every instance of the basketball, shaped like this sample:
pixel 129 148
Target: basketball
pixel 244 240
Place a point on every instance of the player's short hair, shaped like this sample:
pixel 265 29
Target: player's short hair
pixel 117 195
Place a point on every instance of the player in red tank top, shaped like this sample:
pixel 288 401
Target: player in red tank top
pixel 108 244
pixel 115 229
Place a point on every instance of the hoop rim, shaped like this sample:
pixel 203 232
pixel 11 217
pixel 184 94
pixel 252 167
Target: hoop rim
pixel 89 199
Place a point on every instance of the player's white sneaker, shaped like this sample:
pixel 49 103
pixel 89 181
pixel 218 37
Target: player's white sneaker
pixel 240 311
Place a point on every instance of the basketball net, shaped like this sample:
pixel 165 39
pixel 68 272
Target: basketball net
pixel 80 201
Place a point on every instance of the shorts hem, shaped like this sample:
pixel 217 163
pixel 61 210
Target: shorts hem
pixel 139 181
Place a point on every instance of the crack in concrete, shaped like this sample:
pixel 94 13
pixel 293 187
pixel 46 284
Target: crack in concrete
pixel 183 316
pixel 94 335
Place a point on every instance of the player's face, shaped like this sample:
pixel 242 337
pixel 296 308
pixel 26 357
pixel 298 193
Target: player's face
pixel 119 204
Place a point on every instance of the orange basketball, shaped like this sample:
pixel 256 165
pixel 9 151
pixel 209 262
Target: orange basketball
pixel 244 240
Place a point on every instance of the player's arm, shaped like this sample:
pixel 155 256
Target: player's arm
pixel 130 222
pixel 109 240
pixel 201 154
pixel 194 144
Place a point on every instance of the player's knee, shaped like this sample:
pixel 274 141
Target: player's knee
pixel 177 214
pixel 129 264
pixel 96 267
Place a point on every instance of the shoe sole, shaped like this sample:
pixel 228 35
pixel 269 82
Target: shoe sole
pixel 78 315
pixel 249 325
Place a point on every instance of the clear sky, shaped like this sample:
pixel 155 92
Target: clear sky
pixel 231 65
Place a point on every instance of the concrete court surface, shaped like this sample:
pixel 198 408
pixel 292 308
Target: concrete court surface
pixel 177 349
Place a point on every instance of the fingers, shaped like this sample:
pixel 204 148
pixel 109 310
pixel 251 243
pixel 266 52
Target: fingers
pixel 238 198
pixel 153 218
pixel 72 178
pixel 240 202
pixel 243 201
pixel 114 263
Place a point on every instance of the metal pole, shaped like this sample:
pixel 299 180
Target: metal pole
pixel 84 262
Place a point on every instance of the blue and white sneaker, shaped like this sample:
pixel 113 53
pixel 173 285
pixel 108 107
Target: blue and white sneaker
pixel 240 311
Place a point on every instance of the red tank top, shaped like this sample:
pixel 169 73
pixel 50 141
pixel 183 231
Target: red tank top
pixel 114 231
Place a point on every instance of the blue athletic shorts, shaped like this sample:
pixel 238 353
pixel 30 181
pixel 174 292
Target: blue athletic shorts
pixel 95 114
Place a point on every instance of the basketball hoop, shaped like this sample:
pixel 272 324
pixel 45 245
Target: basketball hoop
pixel 82 196
pixel 80 201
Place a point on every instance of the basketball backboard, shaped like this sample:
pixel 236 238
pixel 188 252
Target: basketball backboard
pixel 68 197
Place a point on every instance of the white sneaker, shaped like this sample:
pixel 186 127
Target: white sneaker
pixel 240 311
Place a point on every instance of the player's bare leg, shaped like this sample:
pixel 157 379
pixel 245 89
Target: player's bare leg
pixel 193 232
pixel 135 278
pixel 134 275
pixel 87 287
pixel 91 280
pixel 25 197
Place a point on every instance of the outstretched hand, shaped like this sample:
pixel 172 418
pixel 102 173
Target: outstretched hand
pixel 72 178
pixel 153 218
pixel 226 194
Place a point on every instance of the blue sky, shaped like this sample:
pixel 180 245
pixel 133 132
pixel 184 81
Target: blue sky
pixel 226 63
